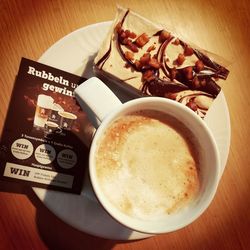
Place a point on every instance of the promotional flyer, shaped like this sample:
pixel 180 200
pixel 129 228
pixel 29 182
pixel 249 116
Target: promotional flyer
pixel 46 135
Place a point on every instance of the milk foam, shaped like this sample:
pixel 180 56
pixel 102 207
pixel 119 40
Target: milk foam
pixel 45 101
pixel 146 165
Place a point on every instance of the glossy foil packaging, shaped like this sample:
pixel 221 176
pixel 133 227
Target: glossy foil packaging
pixel 148 59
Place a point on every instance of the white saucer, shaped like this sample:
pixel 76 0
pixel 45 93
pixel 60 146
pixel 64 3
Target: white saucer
pixel 75 53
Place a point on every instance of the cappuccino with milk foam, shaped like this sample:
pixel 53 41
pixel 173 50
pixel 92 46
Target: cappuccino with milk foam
pixel 147 164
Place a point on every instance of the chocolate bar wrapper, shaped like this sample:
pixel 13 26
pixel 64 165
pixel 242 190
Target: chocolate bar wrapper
pixel 148 59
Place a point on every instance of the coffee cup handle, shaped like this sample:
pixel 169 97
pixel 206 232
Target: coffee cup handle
pixel 94 94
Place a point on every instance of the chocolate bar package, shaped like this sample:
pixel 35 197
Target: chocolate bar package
pixel 46 135
pixel 148 59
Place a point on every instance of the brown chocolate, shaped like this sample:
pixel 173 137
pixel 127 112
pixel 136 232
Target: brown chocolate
pixel 161 74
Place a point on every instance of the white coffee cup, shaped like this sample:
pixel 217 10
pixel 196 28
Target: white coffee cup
pixel 95 95
pixel 43 110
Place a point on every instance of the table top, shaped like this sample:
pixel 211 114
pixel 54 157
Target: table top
pixel 28 28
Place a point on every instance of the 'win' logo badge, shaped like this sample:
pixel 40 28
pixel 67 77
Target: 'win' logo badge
pixel 17 171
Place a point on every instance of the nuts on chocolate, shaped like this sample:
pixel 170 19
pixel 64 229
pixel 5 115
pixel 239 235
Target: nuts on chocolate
pixel 148 75
pixel 144 60
pixel 180 59
pixel 129 55
pixel 188 51
pixel 199 66
pixel 173 73
pixel 150 48
pixel 176 41
pixel 130 34
pixel 130 45
pixel 195 82
pixel 165 35
pixel 153 62
pixel 191 104
pixel 141 40
pixel 188 71
pixel 118 28
pixel 138 65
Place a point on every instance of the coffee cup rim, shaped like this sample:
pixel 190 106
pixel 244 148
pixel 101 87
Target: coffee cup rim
pixel 137 224
pixel 66 112
pixel 51 122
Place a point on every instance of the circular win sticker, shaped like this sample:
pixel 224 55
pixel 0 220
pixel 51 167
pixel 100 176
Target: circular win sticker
pixel 45 154
pixel 22 149
pixel 67 158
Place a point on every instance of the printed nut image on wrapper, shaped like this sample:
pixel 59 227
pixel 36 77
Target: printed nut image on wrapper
pixel 148 59
pixel 46 134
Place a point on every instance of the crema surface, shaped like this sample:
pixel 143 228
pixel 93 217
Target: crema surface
pixel 147 165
